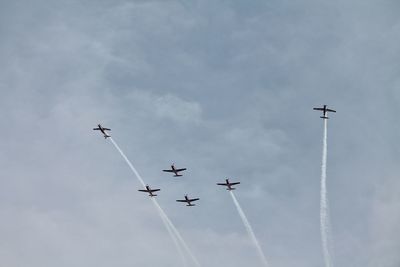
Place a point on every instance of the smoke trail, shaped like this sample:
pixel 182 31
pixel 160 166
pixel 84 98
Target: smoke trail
pixel 176 232
pixel 171 233
pixel 128 162
pixel 324 207
pixel 249 230
pixel 175 235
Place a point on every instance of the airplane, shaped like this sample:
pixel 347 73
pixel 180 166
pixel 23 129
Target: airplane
pixel 325 111
pixel 188 201
pixel 103 130
pixel 175 170
pixel 150 191
pixel 229 185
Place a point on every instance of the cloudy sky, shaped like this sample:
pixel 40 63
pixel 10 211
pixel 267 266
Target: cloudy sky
pixel 224 88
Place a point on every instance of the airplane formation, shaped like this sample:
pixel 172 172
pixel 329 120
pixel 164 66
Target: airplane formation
pixel 177 171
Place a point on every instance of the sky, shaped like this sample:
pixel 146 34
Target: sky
pixel 224 88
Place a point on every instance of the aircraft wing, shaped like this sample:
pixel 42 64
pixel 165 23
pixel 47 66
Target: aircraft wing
pixel 330 110
pixel 193 199
pixel 222 184
pixel 234 183
pixel 318 108
pixel 106 129
pixel 179 170
pixel 154 190
pixel 147 191
pixel 181 200
pixel 167 170
pixel 96 129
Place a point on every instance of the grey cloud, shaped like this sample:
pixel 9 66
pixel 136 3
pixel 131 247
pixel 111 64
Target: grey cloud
pixel 224 88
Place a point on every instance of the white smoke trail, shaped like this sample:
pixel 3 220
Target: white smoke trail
pixel 176 232
pixel 128 162
pixel 249 230
pixel 175 235
pixel 171 233
pixel 324 207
